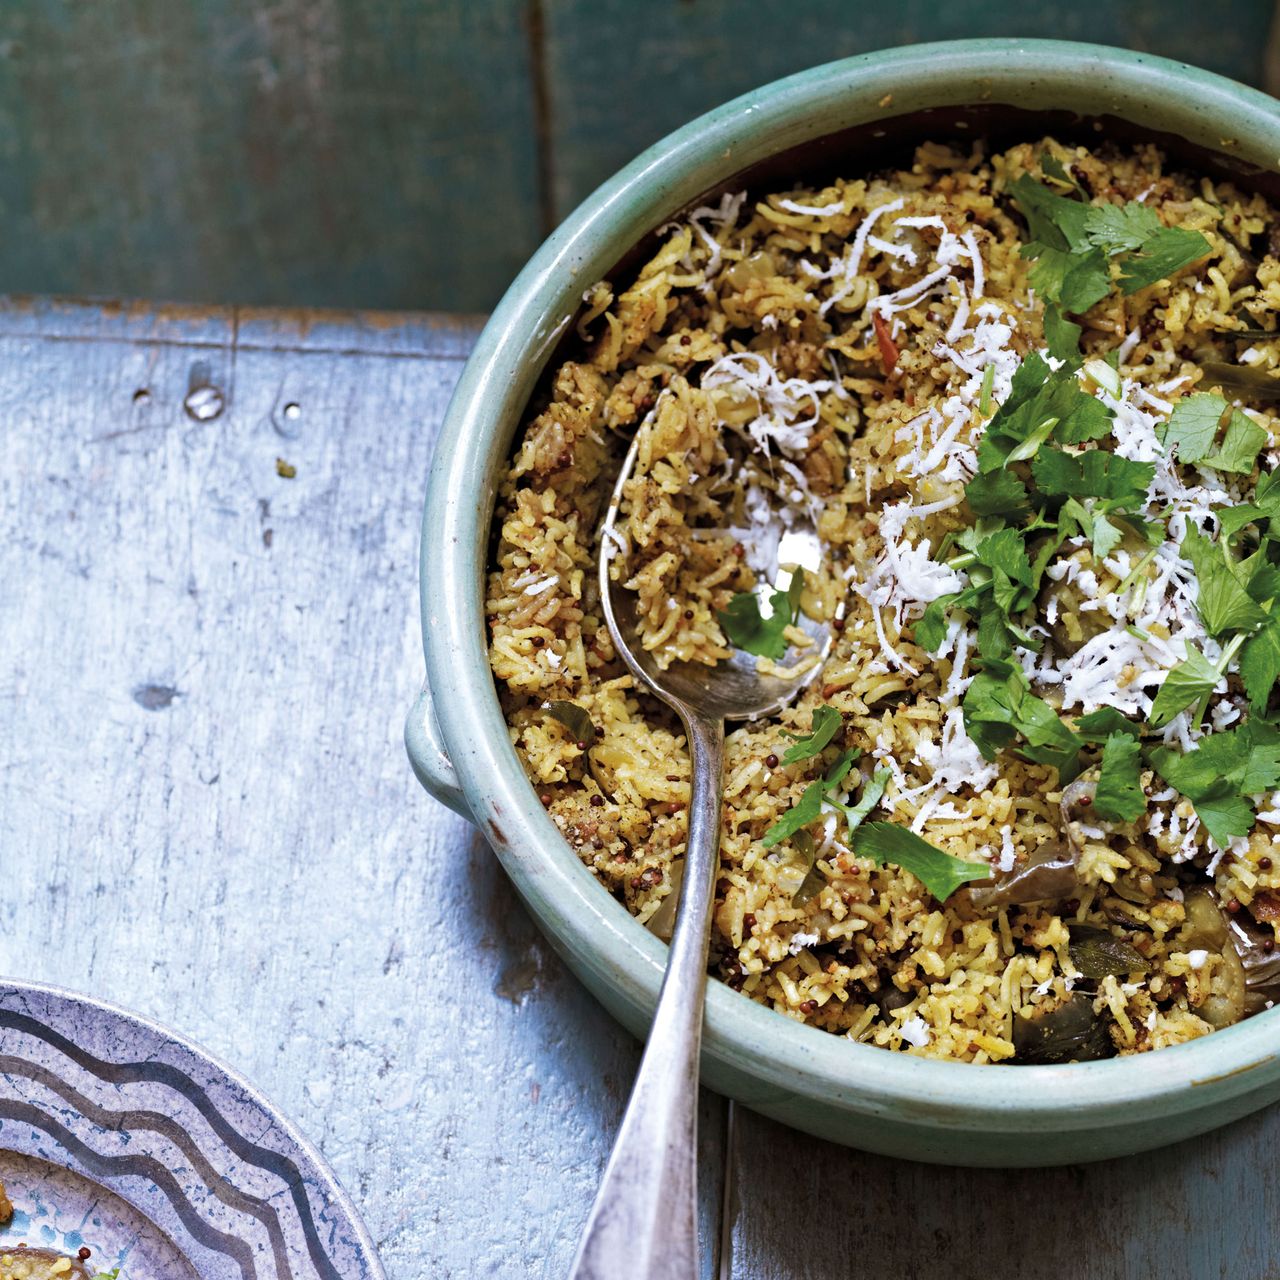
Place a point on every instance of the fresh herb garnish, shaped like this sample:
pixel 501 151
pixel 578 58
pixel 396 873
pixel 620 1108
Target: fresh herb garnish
pixel 999 708
pixel 1073 244
pixel 809 806
pixel 1118 796
pixel 1193 428
pixel 939 872
pixel 747 629
pixel 1221 773
pixel 1186 683
pixel 826 720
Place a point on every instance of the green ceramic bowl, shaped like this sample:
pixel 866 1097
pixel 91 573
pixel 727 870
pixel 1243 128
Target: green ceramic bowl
pixel 844 114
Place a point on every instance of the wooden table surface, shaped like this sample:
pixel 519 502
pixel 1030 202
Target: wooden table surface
pixel 206 815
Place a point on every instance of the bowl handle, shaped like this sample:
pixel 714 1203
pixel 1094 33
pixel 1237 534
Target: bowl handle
pixel 427 755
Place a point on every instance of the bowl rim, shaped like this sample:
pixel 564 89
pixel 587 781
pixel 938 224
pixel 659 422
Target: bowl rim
pixel 781 1055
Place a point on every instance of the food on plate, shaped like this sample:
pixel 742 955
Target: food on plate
pixel 20 1262
pixel 1029 809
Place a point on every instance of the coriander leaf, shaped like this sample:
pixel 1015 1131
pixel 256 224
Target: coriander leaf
pixel 1186 683
pixel 1053 220
pixel 1193 425
pixel 939 872
pixel 1240 446
pixel 747 629
pixel 1004 550
pixel 1093 474
pixel 1118 796
pixel 997 493
pixel 1102 724
pixel 999 706
pixel 1168 250
pixel 1052 167
pixel 1260 665
pixel 1086 282
pixel 1051 403
pixel 1061 336
pixel 1087 419
pixel 931 630
pixel 836 774
pixel 1226 814
pixel 804 811
pixel 1115 228
pixel 1221 599
pixel 826 720
pixel 872 791
pixel 808 808
pixel 1252 761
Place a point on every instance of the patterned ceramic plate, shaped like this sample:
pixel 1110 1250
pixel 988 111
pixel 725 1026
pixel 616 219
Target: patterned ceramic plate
pixel 120 1137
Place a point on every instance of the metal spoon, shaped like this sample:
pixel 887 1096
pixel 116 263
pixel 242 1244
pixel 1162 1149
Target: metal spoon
pixel 643 1225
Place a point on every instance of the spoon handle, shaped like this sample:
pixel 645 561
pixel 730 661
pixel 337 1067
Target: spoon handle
pixel 644 1223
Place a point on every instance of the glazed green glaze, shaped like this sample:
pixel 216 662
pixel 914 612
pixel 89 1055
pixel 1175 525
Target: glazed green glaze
pixel 851 1093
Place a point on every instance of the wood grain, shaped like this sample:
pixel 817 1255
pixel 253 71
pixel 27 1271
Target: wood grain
pixel 1203 1210
pixel 412 153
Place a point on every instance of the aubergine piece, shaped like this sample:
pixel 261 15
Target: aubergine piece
pixel 1208 928
pixel 1066 1032
pixel 1050 873
pixel 1261 965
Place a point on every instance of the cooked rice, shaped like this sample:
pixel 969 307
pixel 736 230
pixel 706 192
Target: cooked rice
pixel 751 326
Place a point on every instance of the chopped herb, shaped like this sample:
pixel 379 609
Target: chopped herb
pixel 1168 250
pixel 984 398
pixel 1221 773
pixel 1100 725
pixel 747 629
pixel 1186 683
pixel 1222 599
pixel 1260 665
pixel 1093 474
pixel 939 872
pixel 826 720
pixel 808 808
pixel 999 707
pixel 1118 796
pixel 1061 336
pixel 1072 243
pixel 804 811
pixel 1193 428
pixel 997 493
pixel 872 791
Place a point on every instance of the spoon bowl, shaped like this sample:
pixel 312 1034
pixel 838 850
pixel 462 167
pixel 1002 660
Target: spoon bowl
pixel 733 689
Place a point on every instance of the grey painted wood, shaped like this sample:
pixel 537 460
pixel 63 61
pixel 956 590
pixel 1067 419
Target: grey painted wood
pixel 1203 1210
pixel 205 809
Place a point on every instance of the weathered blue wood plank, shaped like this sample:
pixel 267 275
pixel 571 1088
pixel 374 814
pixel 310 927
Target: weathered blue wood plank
pixel 621 75
pixel 295 152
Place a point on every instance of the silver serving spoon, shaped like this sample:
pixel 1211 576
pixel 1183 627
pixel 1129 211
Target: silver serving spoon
pixel 643 1225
